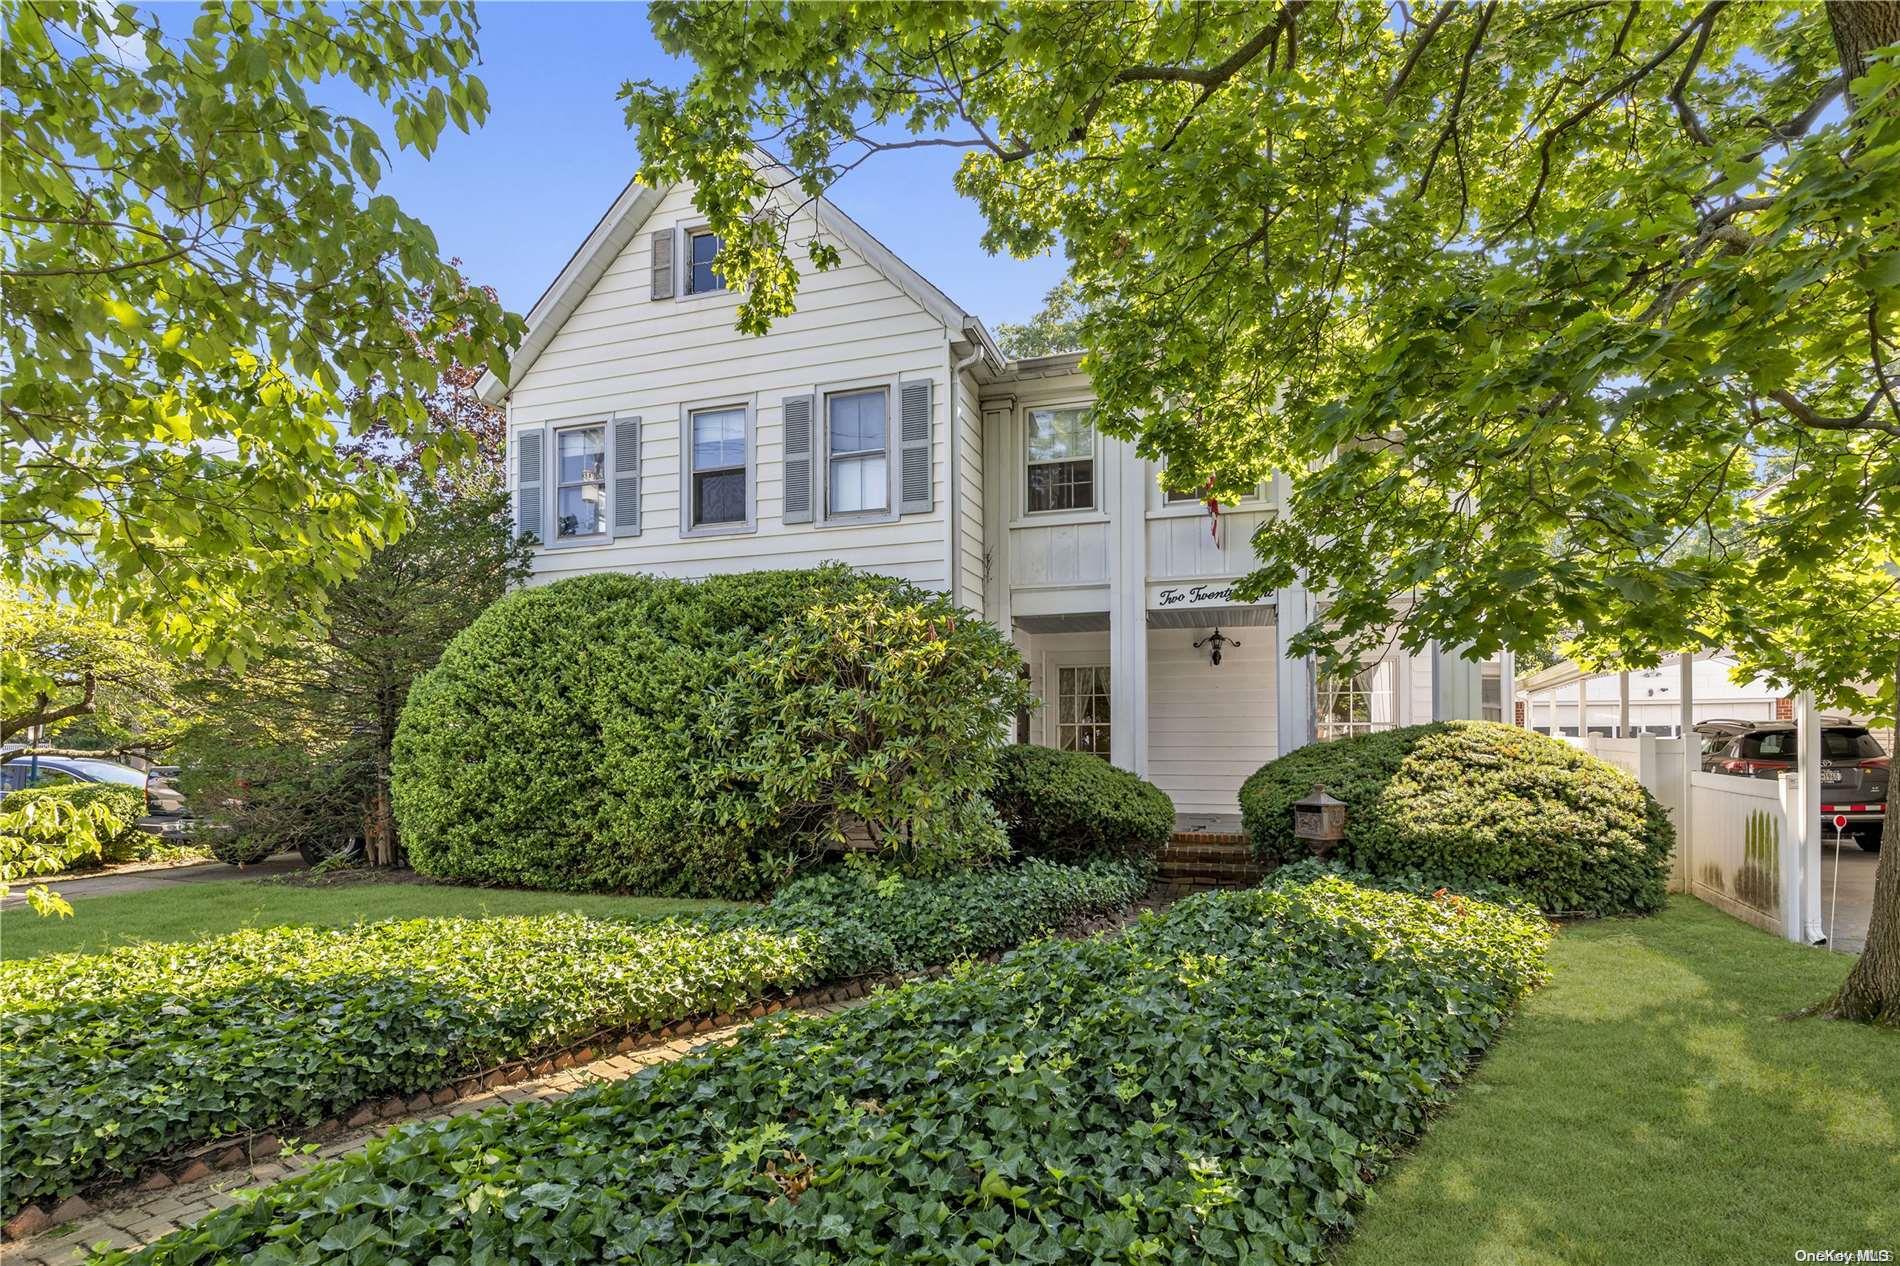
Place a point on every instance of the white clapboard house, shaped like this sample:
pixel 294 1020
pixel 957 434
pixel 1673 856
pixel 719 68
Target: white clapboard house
pixel 881 426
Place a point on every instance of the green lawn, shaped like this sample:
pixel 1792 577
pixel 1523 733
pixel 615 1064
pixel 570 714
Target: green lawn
pixel 1650 1105
pixel 183 912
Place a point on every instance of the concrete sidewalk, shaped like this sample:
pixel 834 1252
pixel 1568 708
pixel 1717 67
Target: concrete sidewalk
pixel 80 886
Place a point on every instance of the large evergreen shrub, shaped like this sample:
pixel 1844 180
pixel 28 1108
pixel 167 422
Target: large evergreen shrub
pixel 1477 801
pixel 1071 805
pixel 703 738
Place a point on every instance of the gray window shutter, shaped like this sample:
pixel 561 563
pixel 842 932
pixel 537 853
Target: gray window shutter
pixel 626 476
pixel 530 484
pixel 663 264
pixel 798 459
pixel 913 436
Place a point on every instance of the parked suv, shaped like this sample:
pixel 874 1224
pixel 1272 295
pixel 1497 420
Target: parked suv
pixel 1855 772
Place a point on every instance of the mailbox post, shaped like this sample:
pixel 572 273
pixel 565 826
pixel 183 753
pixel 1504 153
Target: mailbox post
pixel 1319 822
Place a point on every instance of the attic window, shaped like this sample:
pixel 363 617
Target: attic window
pixel 702 247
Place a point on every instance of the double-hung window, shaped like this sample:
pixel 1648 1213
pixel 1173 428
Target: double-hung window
pixel 702 247
pixel 1359 704
pixel 1082 710
pixel 718 453
pixel 857 437
pixel 1061 460
pixel 580 457
pixel 1491 692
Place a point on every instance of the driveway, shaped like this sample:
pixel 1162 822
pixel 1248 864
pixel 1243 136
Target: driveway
pixel 1853 904
pixel 146 880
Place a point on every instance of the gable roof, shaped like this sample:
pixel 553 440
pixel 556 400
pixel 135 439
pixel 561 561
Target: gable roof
pixel 624 220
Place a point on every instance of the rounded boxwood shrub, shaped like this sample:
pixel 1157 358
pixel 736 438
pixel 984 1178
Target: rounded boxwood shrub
pixel 1477 801
pixel 703 738
pixel 1071 805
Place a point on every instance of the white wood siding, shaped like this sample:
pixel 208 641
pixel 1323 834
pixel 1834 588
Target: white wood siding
pixel 1209 728
pixel 1053 550
pixel 969 510
pixel 1187 547
pixel 1059 555
pixel 623 352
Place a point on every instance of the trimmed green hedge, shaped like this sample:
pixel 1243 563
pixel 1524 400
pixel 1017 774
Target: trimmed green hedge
pixel 111 1059
pixel 1477 801
pixel 1071 805
pixel 1218 1084
pixel 118 842
pixel 703 738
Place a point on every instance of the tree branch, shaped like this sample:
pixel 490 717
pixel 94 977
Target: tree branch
pixel 1804 413
pixel 1219 73
pixel 1419 46
pixel 41 717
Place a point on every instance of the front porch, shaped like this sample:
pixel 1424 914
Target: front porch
pixel 1196 716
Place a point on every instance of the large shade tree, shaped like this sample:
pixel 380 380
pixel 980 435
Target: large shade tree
pixel 198 268
pixel 1574 318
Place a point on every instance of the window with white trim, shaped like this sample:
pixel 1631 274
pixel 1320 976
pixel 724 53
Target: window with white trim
pixel 1082 709
pixel 1491 692
pixel 717 453
pixel 1061 460
pixel 702 247
pixel 580 471
pixel 1360 704
pixel 857 444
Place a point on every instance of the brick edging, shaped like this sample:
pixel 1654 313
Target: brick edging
pixel 199 1161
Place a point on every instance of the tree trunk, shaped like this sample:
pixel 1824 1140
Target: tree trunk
pixel 1872 990
pixel 1860 27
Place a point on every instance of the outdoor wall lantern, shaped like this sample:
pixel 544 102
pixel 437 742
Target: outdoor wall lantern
pixel 1216 641
pixel 1319 822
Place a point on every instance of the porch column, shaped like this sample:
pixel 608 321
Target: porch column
pixel 1623 704
pixel 1292 674
pixel 1128 610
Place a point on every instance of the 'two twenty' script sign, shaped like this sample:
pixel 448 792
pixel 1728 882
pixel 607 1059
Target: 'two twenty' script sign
pixel 1195 596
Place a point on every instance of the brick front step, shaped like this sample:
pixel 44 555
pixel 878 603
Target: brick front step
pixel 1206 853
pixel 1206 859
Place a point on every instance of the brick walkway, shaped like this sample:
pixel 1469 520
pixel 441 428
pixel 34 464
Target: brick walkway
pixel 134 1219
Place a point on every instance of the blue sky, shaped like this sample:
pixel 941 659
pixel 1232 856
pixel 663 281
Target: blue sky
pixel 515 198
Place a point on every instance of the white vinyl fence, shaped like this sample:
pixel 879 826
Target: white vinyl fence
pixel 1744 853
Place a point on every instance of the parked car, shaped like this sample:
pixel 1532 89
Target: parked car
pixel 162 793
pixel 1855 772
pixel 44 771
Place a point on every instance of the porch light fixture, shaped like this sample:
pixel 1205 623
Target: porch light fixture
pixel 1215 640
